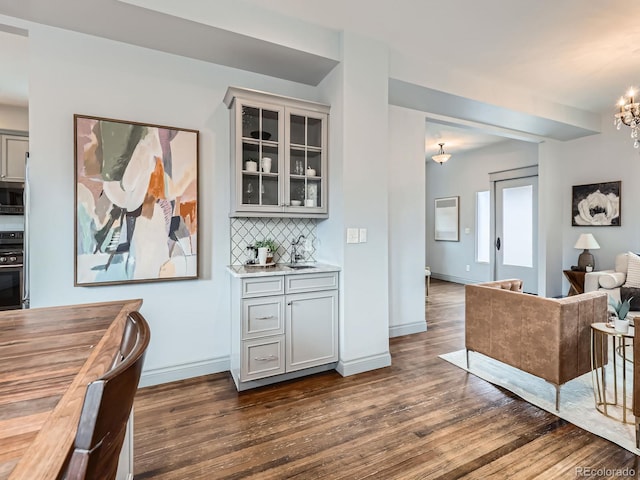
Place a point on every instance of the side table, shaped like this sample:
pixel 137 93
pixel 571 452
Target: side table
pixel 600 333
pixel 576 280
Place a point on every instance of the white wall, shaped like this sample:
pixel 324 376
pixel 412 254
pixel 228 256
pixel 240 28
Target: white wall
pixel 464 175
pixel 74 73
pixel 190 319
pixel 609 156
pixel 357 91
pixel 406 221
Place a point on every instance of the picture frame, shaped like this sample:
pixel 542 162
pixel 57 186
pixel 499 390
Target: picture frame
pixel 447 222
pixel 136 202
pixel 596 205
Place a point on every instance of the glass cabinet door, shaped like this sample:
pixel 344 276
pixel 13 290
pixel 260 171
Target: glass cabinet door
pixel 306 160
pixel 260 156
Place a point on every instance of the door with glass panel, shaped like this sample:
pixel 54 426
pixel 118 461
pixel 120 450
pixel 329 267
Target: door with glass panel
pixel 516 244
pixel 261 127
pixel 305 188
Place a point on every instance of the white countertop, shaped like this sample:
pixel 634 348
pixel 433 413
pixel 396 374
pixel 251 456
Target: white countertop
pixel 244 271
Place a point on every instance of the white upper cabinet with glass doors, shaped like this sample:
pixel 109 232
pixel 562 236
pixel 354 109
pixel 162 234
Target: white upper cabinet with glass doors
pixel 278 155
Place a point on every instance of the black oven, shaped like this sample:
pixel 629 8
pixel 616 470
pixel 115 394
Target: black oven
pixel 11 270
pixel 11 198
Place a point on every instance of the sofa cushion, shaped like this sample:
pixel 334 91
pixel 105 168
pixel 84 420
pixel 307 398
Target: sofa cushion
pixel 633 271
pixel 633 294
pixel 611 280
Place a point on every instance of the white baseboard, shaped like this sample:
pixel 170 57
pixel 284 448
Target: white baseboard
pixel 183 371
pixel 451 278
pixel 353 367
pixel 407 329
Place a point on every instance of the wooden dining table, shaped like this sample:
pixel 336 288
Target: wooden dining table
pixel 48 356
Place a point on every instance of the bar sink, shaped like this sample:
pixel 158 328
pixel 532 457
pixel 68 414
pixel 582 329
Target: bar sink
pixel 299 266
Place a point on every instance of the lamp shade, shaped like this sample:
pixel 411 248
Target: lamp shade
pixel 587 241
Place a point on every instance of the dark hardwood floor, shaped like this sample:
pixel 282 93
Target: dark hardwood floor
pixel 421 418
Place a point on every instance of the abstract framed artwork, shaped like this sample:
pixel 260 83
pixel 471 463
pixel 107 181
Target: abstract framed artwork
pixel 446 219
pixel 596 205
pixel 136 199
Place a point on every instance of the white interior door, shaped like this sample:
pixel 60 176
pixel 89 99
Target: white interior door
pixel 516 244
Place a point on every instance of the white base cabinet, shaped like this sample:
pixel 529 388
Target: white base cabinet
pixel 283 326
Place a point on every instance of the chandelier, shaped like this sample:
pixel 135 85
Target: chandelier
pixel 441 157
pixel 629 114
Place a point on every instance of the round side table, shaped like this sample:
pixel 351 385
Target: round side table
pixel 600 333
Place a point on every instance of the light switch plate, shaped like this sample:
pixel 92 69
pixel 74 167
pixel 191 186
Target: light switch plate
pixel 352 235
pixel 363 235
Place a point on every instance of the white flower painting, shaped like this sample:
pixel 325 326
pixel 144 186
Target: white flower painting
pixel 597 204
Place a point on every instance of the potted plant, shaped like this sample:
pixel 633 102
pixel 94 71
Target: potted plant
pixel 270 245
pixel 621 309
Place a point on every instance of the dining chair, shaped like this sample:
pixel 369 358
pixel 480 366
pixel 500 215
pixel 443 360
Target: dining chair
pixel 106 408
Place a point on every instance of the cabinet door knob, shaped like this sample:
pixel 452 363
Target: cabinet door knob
pixel 290 303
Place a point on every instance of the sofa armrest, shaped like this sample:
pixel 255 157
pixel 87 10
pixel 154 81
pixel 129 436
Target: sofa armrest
pixel 592 280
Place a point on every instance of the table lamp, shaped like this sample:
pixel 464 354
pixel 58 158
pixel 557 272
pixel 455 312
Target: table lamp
pixel 586 241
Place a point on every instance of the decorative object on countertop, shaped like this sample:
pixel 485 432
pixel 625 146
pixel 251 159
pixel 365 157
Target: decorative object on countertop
pixel 586 262
pixel 621 309
pixel 136 202
pixel 298 249
pixel 596 204
pixel 251 255
pixel 270 246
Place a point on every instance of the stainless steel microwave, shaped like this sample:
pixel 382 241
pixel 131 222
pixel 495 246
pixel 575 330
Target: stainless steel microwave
pixel 11 198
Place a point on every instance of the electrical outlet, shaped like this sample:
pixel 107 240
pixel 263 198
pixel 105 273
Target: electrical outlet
pixel 363 235
pixel 468 268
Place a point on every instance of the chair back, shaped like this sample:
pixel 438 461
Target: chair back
pixel 106 409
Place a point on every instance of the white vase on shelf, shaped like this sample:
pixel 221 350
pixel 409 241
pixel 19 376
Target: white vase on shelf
pixel 266 164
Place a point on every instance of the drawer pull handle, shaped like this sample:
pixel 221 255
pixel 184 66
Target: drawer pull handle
pixel 265 359
pixel 268 317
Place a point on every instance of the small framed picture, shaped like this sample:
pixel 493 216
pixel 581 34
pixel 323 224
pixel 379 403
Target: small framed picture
pixel 447 219
pixel 596 205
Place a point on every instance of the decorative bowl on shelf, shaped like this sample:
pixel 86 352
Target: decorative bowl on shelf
pixel 296 203
pixel 258 134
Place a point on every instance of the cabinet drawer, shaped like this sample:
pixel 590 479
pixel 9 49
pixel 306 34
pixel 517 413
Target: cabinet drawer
pixel 262 316
pixel 263 357
pixel 312 282
pixel 261 286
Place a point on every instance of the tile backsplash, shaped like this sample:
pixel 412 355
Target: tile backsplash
pixel 246 231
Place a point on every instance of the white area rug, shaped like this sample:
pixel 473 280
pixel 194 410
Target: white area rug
pixel 577 403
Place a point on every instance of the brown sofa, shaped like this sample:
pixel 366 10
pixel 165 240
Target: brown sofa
pixel 546 337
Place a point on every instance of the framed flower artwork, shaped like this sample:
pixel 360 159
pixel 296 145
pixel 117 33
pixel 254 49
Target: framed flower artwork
pixel 596 205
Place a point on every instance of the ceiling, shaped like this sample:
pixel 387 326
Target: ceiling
pixel 576 53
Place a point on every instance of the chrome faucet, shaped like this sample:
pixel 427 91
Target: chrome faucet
pixel 295 255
